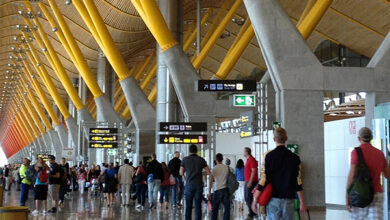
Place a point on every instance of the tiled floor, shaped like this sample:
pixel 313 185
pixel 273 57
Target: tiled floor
pixel 92 207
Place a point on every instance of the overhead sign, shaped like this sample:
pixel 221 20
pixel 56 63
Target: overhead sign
pixel 247 121
pixel 226 85
pixel 183 139
pixel 103 145
pixel 103 131
pixel 103 138
pixel 244 100
pixel 183 126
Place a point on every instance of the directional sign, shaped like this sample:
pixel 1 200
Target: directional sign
pixel 103 138
pixel 183 139
pixel 244 100
pixel 103 131
pixel 226 85
pixel 103 145
pixel 293 148
pixel 183 126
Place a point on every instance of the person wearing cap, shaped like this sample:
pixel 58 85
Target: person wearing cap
pixel 377 164
pixel 25 185
pixel 54 182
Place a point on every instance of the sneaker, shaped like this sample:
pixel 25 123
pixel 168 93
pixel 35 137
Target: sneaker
pixel 35 212
pixel 138 206
pixel 53 210
pixel 44 212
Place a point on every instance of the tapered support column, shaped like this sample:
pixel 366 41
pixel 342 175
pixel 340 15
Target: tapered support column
pixel 144 117
pixel 62 140
pixel 166 104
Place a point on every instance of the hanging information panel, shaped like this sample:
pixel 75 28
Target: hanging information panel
pixel 183 139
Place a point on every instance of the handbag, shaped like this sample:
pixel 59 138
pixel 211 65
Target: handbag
pixel 139 178
pixel 172 180
pixel 265 195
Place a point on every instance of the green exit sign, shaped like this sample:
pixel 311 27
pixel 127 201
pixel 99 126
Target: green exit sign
pixel 244 100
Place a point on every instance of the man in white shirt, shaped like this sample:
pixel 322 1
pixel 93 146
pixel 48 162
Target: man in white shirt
pixel 125 178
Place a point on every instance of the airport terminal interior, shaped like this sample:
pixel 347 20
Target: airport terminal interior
pixel 93 88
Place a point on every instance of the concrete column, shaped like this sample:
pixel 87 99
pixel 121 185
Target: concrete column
pixel 103 79
pixel 166 104
pixel 83 150
pixel 302 116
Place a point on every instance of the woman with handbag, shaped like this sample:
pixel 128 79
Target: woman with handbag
pixel 140 185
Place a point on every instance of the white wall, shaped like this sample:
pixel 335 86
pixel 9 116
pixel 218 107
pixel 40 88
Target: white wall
pixel 339 141
pixel 232 146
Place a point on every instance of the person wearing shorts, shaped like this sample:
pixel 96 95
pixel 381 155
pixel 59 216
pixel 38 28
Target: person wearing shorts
pixel 54 182
pixel 40 192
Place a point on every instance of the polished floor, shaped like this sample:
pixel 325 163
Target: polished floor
pixel 93 207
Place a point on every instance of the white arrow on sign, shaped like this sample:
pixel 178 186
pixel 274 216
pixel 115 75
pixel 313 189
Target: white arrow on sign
pixel 240 100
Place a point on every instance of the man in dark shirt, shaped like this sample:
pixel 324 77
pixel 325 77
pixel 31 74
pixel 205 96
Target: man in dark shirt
pixel 64 180
pixel 177 190
pixel 155 175
pixel 193 166
pixel 54 182
pixel 282 169
pixel 6 178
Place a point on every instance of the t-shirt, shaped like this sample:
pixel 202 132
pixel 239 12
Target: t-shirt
pixel 251 163
pixel 240 174
pixel 376 162
pixel 37 182
pixel 193 166
pixel 174 166
pixel 22 173
pixel 111 173
pixel 220 173
pixel 54 169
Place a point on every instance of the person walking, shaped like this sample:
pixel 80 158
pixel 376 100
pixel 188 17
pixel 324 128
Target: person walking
pixel 140 185
pixel 251 178
pixel 81 178
pixel 221 194
pixel 281 169
pixel 111 177
pixel 239 172
pixel 192 166
pixel 64 180
pixel 26 183
pixel 41 182
pixel 16 177
pixel 155 176
pixel 54 183
pixel 7 177
pixel 377 165
pixel 125 178
pixel 164 188
pixel 178 188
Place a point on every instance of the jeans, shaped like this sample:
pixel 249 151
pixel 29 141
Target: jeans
pixel 81 183
pixel 153 189
pixel 24 194
pixel 249 198
pixel 177 190
pixel 63 190
pixel 125 194
pixel 192 192
pixel 221 196
pixel 280 209
pixel 140 190
pixel 164 192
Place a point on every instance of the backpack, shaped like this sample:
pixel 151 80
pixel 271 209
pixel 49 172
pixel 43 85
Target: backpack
pixel 43 176
pixel 31 173
pixel 361 191
pixel 231 182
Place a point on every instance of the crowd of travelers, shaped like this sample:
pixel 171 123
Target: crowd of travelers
pixel 182 182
